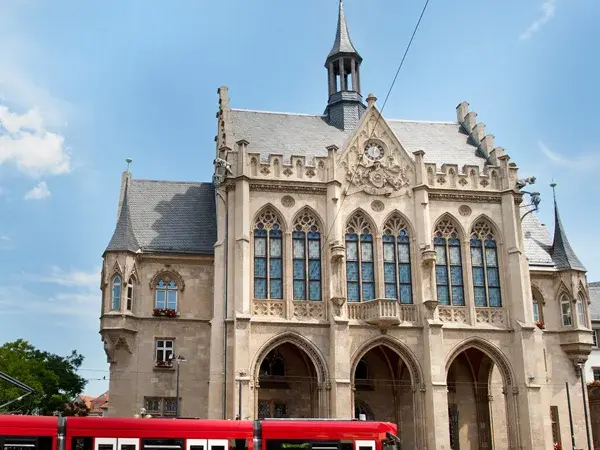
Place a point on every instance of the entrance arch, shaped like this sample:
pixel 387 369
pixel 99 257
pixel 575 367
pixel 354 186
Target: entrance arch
pixel 481 397
pixel 387 385
pixel 290 379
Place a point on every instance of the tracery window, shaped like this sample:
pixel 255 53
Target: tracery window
pixel 166 294
pixel 396 260
pixel 360 273
pixel 448 269
pixel 565 310
pixel 268 267
pixel 116 293
pixel 306 243
pixel 581 311
pixel 484 265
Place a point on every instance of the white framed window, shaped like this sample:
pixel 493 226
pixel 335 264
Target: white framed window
pixel 130 294
pixel 166 294
pixel 565 310
pixel 164 350
pixel 596 373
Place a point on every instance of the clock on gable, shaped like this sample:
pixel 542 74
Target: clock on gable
pixel 374 151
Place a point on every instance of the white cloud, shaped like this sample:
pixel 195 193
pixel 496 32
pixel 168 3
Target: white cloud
pixel 25 142
pixel 72 278
pixel 38 192
pixel 548 11
pixel 5 242
pixel 585 161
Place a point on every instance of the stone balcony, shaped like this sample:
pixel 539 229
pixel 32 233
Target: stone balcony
pixel 383 312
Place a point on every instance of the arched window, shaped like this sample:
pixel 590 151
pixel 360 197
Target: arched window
pixel 581 311
pixel 306 242
pixel 130 294
pixel 448 268
pixel 565 310
pixel 116 293
pixel 396 260
pixel 273 365
pixel 360 277
pixel 268 268
pixel 538 306
pixel 166 294
pixel 484 264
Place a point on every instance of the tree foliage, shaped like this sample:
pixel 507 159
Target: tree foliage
pixel 53 377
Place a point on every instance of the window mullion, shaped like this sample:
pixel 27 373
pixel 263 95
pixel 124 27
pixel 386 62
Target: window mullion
pixel 485 274
pixel 268 264
pixel 449 272
pixel 359 256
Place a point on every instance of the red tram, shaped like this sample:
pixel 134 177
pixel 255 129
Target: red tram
pixel 98 433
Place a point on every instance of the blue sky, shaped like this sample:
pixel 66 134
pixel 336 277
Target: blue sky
pixel 83 85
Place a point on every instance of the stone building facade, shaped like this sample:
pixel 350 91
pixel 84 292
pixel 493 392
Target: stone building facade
pixel 346 264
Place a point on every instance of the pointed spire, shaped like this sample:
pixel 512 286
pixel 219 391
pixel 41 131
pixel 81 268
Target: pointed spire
pixel 563 255
pixel 123 239
pixel 342 45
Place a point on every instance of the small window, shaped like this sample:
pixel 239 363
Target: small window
pixel 82 443
pixel 581 312
pixel 116 294
pixel 162 444
pixel 596 373
pixel 555 424
pixel 565 309
pixel 595 337
pixel 161 406
pixel 164 351
pixel 130 294
pixel 166 294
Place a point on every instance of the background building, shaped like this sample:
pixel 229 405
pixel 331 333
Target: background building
pixel 592 366
pixel 344 264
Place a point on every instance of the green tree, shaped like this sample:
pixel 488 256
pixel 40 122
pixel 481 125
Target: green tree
pixel 53 377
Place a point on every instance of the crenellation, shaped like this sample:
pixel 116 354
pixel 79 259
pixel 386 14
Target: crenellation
pixel 468 178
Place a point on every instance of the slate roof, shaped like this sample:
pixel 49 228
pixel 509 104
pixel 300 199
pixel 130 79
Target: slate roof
pixel 594 307
pixel 342 42
pixel 166 217
pixel 537 242
pixel 562 253
pixel 308 135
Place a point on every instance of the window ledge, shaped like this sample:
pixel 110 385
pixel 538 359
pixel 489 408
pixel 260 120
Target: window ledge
pixel 168 313
pixel 164 367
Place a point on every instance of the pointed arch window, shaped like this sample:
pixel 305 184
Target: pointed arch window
pixel 306 243
pixel 484 265
pixel 581 311
pixel 268 267
pixel 565 311
pixel 130 294
pixel 116 293
pixel 538 307
pixel 166 294
pixel 448 268
pixel 396 260
pixel 360 273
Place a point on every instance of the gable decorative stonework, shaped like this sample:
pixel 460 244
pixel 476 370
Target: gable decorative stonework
pixel 375 162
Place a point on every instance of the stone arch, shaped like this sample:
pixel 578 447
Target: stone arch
pixel 536 293
pixel 492 352
pixel 269 207
pixel 409 225
pixel 361 212
pixel 493 226
pixel 564 290
pixel 304 344
pixel 462 236
pixel 116 270
pixel 167 274
pixel 405 354
pixel 311 211
pixel 582 291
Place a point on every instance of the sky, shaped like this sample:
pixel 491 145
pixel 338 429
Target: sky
pixel 83 85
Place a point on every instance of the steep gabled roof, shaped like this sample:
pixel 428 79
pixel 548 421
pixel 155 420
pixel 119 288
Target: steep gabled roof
pixel 342 43
pixel 166 217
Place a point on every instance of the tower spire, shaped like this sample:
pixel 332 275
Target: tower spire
pixel 562 253
pixel 345 105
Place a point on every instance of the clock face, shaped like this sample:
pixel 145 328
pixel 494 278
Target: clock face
pixel 374 151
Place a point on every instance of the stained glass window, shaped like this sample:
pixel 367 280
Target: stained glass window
pixel 268 256
pixel 360 273
pixel 448 264
pixel 306 253
pixel 565 310
pixel 166 294
pixel 116 293
pixel 396 260
pixel 484 265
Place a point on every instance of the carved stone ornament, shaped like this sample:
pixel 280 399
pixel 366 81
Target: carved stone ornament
pixel 337 250
pixel 288 201
pixel 464 210
pixel 377 205
pixel 378 173
pixel 430 306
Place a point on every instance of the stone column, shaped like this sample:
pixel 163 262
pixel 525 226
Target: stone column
pixel 353 71
pixel 342 74
pixel 332 83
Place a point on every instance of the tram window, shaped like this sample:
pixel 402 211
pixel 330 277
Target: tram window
pixel 128 447
pixel 27 443
pixel 347 446
pixel 240 444
pixel 105 447
pixel 162 444
pixel 82 443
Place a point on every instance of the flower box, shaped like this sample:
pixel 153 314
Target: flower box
pixel 166 312
pixel 540 325
pixel 164 364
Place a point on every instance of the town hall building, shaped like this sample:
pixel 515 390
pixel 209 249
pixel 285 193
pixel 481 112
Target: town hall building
pixel 349 265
